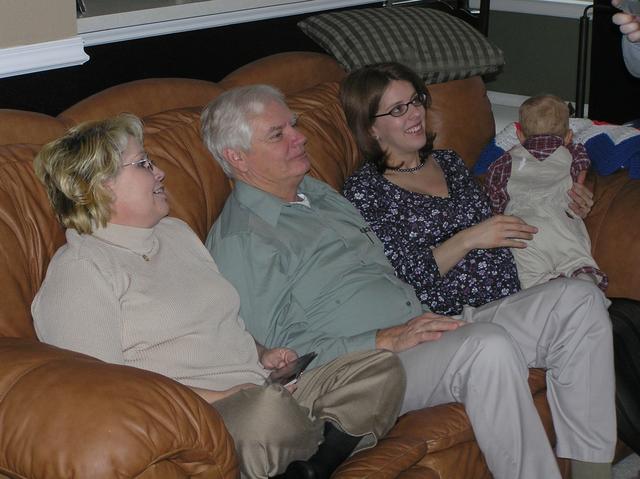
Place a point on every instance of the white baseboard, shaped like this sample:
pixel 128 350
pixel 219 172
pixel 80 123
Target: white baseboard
pixel 506 99
pixel 188 16
pixel 514 101
pixel 551 8
pixel 42 56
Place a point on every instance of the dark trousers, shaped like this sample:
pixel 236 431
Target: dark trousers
pixel 625 321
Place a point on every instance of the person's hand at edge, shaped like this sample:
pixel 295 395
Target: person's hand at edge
pixel 629 24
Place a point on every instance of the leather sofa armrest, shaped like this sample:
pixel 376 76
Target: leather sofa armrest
pixel 64 414
pixel 392 456
pixel 613 229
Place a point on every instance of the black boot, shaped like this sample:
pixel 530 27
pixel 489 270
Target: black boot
pixel 335 448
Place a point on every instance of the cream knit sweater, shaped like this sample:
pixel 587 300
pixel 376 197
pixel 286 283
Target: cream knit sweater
pixel 148 298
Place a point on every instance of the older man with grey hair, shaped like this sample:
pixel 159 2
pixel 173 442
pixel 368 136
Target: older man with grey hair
pixel 311 276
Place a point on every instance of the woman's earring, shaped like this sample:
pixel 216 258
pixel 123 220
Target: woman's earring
pixel 376 137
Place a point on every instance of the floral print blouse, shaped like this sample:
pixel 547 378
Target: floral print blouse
pixel 411 224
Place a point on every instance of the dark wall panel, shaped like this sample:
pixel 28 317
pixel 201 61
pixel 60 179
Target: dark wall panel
pixel 204 54
pixel 614 95
pixel 541 54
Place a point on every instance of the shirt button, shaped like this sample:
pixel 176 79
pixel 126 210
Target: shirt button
pixel 408 303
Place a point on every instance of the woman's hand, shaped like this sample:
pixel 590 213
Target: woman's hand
pixel 276 358
pixel 501 231
pixel 581 197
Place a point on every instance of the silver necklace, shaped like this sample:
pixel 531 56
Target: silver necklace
pixel 419 166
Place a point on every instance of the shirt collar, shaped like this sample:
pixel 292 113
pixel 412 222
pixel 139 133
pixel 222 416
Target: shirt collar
pixel 269 207
pixel 541 146
pixel 138 240
pixel 302 201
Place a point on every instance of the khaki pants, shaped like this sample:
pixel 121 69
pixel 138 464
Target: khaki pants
pixel 360 392
pixel 561 326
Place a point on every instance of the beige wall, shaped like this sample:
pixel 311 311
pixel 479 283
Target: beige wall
pixel 23 22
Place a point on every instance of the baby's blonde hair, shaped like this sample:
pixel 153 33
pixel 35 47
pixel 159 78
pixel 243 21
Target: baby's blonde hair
pixel 75 168
pixel 544 115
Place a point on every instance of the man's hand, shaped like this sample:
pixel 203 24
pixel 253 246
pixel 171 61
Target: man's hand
pixel 276 358
pixel 426 327
pixel 581 197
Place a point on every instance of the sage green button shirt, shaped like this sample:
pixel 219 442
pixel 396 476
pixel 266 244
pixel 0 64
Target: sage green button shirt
pixel 310 278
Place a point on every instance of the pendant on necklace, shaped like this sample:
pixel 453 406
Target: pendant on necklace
pixel 145 257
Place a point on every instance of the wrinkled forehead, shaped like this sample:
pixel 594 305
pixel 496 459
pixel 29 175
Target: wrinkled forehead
pixel 266 117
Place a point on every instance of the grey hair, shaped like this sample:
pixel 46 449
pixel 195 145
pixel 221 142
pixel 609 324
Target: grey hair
pixel 226 121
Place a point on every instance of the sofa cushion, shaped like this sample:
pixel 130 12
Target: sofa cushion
pixel 331 148
pixel 65 414
pixel 311 69
pixel 29 234
pixel 17 126
pixel 142 98
pixel 438 46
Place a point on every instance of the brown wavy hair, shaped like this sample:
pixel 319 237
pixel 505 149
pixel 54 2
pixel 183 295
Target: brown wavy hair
pixel 360 94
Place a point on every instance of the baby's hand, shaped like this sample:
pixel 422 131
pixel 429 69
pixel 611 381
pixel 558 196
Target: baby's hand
pixel 581 197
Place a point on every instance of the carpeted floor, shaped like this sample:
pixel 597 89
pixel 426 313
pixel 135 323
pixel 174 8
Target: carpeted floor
pixel 628 468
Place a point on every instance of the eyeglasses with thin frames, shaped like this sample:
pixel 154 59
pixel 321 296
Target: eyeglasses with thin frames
pixel 145 163
pixel 417 101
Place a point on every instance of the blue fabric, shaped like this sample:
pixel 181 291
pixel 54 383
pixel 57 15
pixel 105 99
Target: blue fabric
pixel 606 153
pixel 607 157
pixel 489 154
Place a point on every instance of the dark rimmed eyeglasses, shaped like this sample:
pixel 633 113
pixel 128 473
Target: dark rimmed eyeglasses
pixel 399 110
pixel 145 163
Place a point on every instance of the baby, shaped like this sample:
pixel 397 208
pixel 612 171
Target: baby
pixel 531 181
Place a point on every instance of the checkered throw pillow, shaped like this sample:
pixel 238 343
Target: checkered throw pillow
pixel 438 46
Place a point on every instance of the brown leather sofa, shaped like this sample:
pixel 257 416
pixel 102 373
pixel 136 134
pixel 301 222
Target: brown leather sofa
pixel 63 414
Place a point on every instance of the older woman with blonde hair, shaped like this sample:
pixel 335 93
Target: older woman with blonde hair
pixel 133 286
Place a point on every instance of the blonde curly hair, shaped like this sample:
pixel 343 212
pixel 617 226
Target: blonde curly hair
pixel 75 168
pixel 544 115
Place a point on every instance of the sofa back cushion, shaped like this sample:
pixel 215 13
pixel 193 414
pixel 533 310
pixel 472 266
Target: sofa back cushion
pixel 291 72
pixel 29 235
pixel 17 126
pixel 331 148
pixel 461 116
pixel 141 98
pixel 196 185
